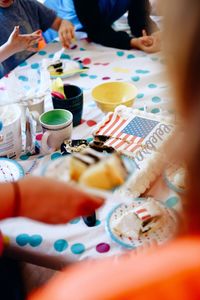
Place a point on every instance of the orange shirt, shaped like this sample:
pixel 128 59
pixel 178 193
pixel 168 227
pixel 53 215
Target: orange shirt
pixel 171 272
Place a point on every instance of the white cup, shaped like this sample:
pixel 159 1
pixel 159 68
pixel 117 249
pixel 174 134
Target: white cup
pixel 57 126
pixel 10 131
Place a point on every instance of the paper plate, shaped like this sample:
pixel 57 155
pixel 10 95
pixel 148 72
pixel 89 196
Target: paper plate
pixel 161 234
pixel 78 68
pixel 171 184
pixel 10 170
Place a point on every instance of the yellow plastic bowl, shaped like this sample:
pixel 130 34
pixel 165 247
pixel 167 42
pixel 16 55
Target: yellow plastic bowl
pixel 111 94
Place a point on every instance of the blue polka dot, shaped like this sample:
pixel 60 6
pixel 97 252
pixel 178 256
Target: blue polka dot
pixel 156 99
pixel 98 222
pixel 154 58
pixel 82 49
pixel 171 202
pixel 130 56
pixel 155 110
pixel 22 239
pixel 89 140
pixel 120 53
pixel 141 108
pixel 55 155
pixel 24 157
pixel 51 55
pixel 55 42
pixel 77 248
pixel 140 96
pixel 35 240
pixel 23 78
pixel 75 221
pixel 135 78
pixel 42 52
pixel 23 64
pixel 83 75
pixel 142 71
pixel 93 76
pixel 65 56
pixel 1 125
pixel 35 66
pixel 152 86
pixel 60 245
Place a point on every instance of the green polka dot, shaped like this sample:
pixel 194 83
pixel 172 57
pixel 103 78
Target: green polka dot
pixel 75 221
pixel 135 78
pixel 152 86
pixel 155 110
pixel 156 99
pixel 60 245
pixel 120 53
pixel 171 202
pixel 22 239
pixel 35 240
pixel 83 75
pixel 140 96
pixel 65 56
pixel 77 248
pixel 24 157
pixel 42 53
pixel 56 155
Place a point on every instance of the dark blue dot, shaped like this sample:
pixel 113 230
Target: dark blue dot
pixel 77 248
pixel 60 245
pixel 35 66
pixel 75 221
pixel 42 52
pixel 1 125
pixel 35 240
pixel 22 239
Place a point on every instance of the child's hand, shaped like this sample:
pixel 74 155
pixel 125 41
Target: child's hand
pixel 66 33
pixel 19 42
pixel 53 202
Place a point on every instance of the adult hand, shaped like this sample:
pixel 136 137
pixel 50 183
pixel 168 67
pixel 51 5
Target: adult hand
pixel 149 44
pixel 19 42
pixel 54 202
pixel 66 33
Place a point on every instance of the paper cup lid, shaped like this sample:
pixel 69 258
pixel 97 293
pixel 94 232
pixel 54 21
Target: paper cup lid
pixel 10 170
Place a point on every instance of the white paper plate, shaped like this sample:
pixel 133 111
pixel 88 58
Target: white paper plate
pixel 10 170
pixel 161 234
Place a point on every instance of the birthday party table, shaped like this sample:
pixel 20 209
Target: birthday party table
pixel 56 246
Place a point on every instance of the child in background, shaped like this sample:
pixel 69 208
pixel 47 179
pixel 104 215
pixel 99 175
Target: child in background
pixel 30 16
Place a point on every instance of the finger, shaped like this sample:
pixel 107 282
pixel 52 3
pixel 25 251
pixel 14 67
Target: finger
pixel 144 33
pixel 15 31
pixel 64 39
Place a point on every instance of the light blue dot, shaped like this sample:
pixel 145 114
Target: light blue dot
pixel 141 108
pixel 1 125
pixel 55 156
pixel 35 66
pixel 142 71
pixel 156 99
pixel 135 78
pixel 60 245
pixel 51 55
pixel 77 248
pixel 98 222
pixel 42 52
pixel 22 239
pixel 130 56
pixel 155 110
pixel 120 53
pixel 23 64
pixel 27 87
pixel 93 76
pixel 154 58
pixel 23 78
pixel 83 75
pixel 89 140
pixel 152 86
pixel 75 221
pixel 82 49
pixel 65 56
pixel 24 157
pixel 35 240
pixel 140 96
pixel 171 202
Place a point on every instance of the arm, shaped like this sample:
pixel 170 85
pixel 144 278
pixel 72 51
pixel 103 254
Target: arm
pixel 65 30
pixel 45 200
pixel 139 18
pixel 97 28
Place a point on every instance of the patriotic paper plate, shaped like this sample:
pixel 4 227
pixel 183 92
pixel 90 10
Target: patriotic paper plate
pixel 165 231
pixel 10 170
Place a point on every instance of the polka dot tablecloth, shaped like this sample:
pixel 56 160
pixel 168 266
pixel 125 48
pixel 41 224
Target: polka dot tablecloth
pixel 76 241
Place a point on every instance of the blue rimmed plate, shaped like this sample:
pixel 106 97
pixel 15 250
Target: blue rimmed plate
pixel 10 170
pixel 163 232
pixel 169 178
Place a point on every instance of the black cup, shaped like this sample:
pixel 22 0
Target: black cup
pixel 73 102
